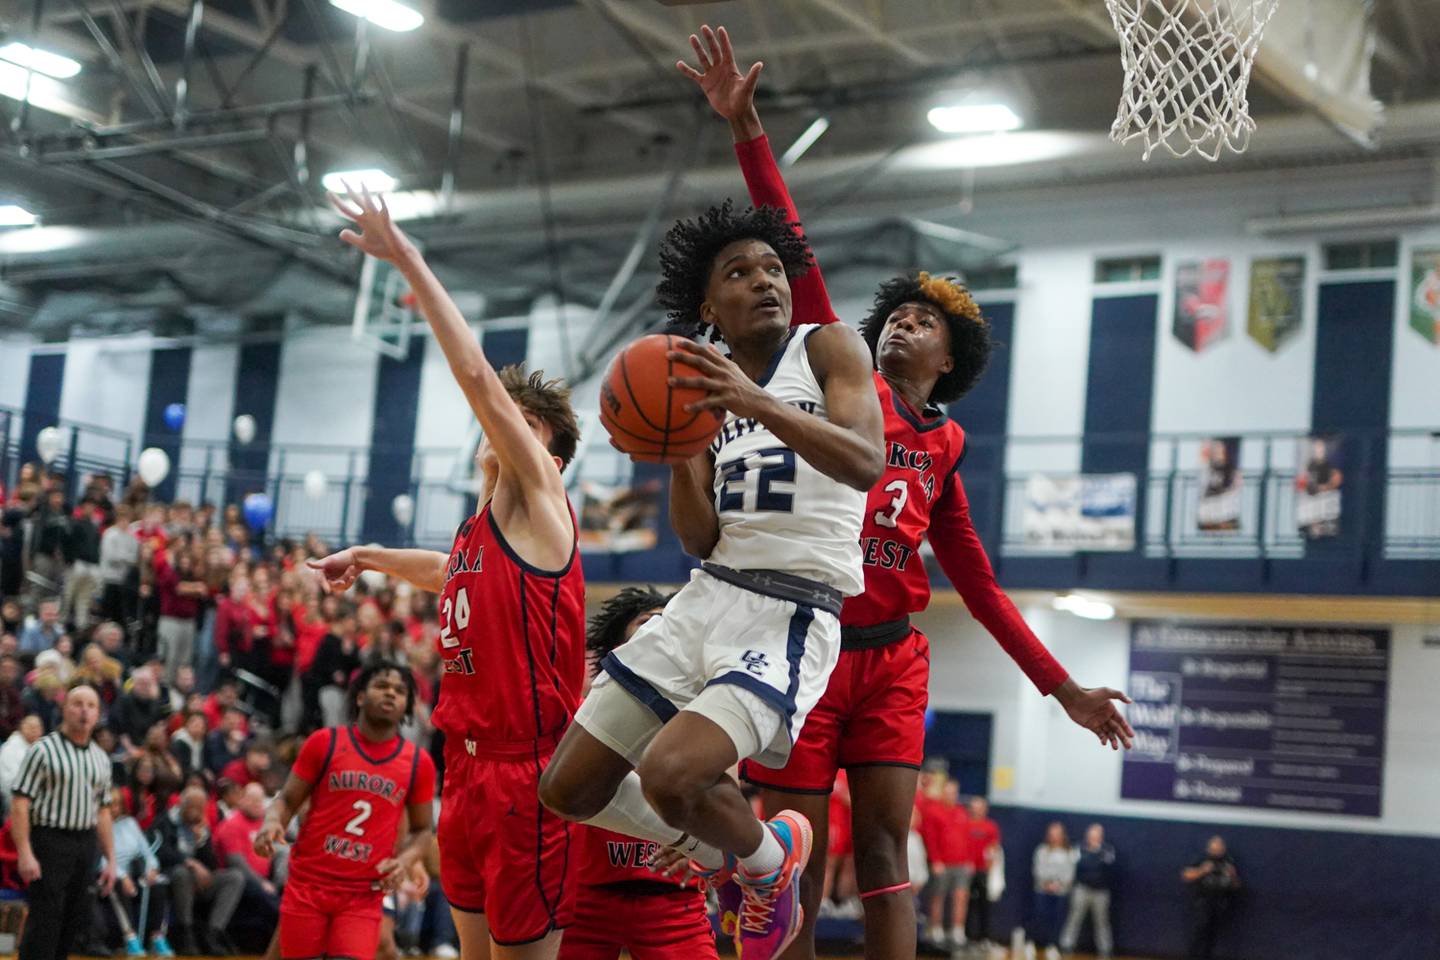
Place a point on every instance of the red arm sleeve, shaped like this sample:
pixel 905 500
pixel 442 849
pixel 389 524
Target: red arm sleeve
pixel 767 189
pixel 963 559
pixel 313 755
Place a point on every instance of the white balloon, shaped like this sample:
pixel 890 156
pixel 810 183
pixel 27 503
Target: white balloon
pixel 154 466
pixel 315 484
pixel 244 428
pixel 48 443
pixel 403 509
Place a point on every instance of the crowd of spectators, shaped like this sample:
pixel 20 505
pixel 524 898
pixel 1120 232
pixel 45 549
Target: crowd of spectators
pixel 214 652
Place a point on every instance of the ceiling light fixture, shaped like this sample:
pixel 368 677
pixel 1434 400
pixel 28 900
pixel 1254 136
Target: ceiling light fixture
pixel 1086 607
pixel 16 216
pixel 386 14
pixel 376 181
pixel 41 61
pixel 805 141
pixel 974 118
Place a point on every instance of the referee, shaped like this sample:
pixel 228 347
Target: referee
pixel 61 803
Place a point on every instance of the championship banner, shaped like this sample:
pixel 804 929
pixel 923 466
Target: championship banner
pixel 1425 293
pixel 1201 312
pixel 1318 483
pixel 619 519
pixel 1221 486
pixel 1280 718
pixel 1277 296
pixel 1080 512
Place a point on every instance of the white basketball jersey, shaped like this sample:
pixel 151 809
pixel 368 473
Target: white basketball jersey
pixel 777 512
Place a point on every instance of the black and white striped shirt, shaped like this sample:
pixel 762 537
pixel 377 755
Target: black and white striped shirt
pixel 66 784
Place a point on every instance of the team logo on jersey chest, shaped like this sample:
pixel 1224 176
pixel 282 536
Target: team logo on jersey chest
pixel 382 787
pixel 920 461
pixel 461 562
pixel 743 426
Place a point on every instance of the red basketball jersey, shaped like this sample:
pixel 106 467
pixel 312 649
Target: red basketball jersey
pixel 922 455
pixel 512 639
pixel 607 857
pixel 359 792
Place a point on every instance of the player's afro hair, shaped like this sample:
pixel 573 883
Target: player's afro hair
pixel 606 629
pixel 970 342
pixel 374 668
pixel 690 248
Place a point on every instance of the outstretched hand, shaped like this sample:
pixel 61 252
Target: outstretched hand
pixel 337 571
pixel 730 92
pixel 1094 709
pixel 378 236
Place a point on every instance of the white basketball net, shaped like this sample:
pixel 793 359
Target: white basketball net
pixel 1187 66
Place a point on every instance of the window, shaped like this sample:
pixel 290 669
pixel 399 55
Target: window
pixel 993 278
pixel 1365 255
pixel 1127 269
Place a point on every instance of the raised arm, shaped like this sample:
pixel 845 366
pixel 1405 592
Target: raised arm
pixel 732 95
pixel 424 569
pixel 520 453
pixel 847 446
pixel 962 557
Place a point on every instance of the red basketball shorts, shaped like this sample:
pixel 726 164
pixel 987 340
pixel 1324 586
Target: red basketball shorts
pixel 652 926
pixel 502 853
pixel 326 922
pixel 872 714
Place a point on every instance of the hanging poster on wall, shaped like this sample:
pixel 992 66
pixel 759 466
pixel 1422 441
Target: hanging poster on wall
pixel 619 519
pixel 1080 512
pixel 1318 482
pixel 1201 311
pixel 1425 293
pixel 1221 485
pixel 1276 717
pixel 1277 296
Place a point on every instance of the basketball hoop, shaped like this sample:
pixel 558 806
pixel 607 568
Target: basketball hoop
pixel 1187 67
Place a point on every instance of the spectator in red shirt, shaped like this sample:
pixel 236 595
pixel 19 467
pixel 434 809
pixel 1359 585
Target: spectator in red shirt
pixel 234 842
pixel 225 697
pixel 180 592
pixel 984 849
pixel 235 622
pixel 944 826
pixel 250 768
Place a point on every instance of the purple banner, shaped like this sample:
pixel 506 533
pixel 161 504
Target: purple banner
pixel 1288 718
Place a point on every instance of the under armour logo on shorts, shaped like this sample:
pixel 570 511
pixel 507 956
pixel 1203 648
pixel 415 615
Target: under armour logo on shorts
pixel 755 662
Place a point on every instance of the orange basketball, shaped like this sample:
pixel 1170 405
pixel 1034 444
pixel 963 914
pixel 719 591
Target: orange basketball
pixel 644 415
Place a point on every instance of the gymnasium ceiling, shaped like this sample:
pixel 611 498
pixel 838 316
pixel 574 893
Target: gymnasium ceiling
pixel 569 106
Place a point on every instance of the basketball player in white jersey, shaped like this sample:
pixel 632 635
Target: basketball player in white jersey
pixel 740 655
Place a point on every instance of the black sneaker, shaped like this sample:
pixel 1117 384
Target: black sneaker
pixel 95 949
pixel 184 942
pixel 217 943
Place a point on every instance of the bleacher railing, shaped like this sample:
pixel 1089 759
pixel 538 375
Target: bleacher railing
pixel 1391 488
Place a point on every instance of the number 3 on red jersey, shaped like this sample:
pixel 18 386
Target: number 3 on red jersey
pixel 454 614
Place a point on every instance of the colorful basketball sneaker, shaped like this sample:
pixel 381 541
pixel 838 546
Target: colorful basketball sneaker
pixel 770 911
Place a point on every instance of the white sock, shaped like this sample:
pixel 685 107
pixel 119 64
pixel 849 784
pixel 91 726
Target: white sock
pixel 631 814
pixel 767 858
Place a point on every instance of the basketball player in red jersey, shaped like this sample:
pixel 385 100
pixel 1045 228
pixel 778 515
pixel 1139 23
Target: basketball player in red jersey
pixel 512 617
pixel 930 344
pixel 358 780
pixel 621 903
